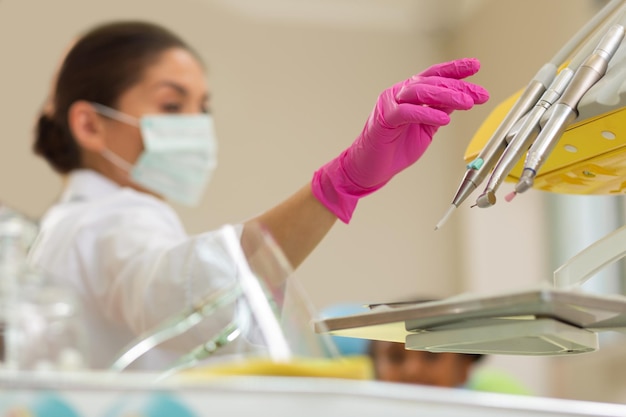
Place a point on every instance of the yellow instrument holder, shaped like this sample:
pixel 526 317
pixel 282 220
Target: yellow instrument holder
pixel 589 158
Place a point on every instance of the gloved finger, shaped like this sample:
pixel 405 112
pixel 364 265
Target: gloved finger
pixel 478 94
pixel 459 68
pixel 447 110
pixel 436 96
pixel 406 113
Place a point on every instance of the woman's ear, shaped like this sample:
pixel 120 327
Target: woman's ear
pixel 87 126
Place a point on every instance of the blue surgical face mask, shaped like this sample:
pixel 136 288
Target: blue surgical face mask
pixel 179 156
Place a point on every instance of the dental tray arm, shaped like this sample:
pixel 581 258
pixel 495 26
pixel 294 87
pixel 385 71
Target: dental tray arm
pixel 582 266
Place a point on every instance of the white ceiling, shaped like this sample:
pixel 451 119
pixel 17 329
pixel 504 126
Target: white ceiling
pixel 390 15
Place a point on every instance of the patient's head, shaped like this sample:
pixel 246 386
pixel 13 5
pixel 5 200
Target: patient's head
pixel 393 363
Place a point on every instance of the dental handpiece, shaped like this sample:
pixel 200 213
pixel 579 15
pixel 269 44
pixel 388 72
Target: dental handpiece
pixel 522 136
pixel 480 167
pixel 565 111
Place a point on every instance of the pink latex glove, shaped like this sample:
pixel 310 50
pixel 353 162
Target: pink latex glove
pixel 397 133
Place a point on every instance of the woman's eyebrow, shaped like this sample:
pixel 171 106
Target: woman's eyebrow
pixel 179 88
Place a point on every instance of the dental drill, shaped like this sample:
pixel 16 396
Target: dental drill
pixel 522 136
pixel 482 165
pixel 564 112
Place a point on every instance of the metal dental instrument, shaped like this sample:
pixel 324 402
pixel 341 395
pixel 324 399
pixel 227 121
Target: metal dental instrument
pixel 580 45
pixel 523 137
pixel 478 169
pixel 564 112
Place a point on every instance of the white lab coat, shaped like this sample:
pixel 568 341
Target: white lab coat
pixel 130 261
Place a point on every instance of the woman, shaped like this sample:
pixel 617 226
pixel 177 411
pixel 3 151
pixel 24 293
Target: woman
pixel 128 126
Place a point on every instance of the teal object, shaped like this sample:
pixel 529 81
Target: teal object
pixel 51 405
pixel 476 163
pixel 347 346
pixel 166 406
pixel 161 404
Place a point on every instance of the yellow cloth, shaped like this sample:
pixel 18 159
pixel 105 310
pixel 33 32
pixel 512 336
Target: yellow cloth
pixel 354 367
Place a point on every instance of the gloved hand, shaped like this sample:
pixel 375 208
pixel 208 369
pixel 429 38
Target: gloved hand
pixel 397 133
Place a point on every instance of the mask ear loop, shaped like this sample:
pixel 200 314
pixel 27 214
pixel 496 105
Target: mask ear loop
pixel 111 113
pixel 117 160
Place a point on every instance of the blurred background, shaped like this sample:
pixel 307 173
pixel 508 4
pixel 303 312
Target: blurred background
pixel 293 82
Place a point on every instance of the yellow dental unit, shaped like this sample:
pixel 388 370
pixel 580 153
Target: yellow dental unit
pixel 590 156
pixel 565 132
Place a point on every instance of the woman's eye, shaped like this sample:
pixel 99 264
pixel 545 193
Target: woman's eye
pixel 431 356
pixel 171 108
pixel 396 358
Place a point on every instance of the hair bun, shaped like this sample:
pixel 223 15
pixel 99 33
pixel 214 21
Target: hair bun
pixel 57 147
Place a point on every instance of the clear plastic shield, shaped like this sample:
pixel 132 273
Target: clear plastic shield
pixel 261 321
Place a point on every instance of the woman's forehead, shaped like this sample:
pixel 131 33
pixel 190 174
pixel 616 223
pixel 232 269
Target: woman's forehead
pixel 176 69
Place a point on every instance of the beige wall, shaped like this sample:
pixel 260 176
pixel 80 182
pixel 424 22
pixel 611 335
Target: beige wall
pixel 289 94
pixel 292 88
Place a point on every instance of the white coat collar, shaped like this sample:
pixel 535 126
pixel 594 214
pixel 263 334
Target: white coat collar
pixel 87 184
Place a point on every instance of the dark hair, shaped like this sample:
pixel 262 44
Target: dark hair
pixel 475 357
pixel 101 65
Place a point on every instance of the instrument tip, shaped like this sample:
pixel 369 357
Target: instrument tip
pixel 526 181
pixel 510 196
pixel 445 217
pixel 486 199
